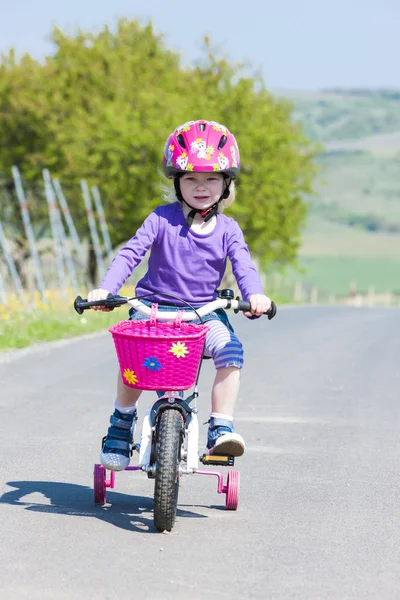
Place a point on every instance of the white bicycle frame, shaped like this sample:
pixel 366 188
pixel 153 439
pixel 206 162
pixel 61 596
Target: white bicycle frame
pixel 192 431
pixel 192 437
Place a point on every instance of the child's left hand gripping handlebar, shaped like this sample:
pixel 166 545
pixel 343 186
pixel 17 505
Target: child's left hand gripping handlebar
pixel 244 306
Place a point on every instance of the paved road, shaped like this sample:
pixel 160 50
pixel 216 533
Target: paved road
pixel 319 505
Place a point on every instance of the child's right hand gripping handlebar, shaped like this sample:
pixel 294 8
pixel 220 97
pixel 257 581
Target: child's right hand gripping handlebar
pixel 112 302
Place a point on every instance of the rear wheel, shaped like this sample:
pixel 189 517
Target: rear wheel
pixel 232 491
pixel 99 484
pixel 166 487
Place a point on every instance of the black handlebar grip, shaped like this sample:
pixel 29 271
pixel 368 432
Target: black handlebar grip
pixel 272 311
pixel 80 305
pixel 110 302
pixel 244 306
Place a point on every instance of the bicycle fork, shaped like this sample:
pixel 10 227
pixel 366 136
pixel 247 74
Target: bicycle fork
pixel 192 438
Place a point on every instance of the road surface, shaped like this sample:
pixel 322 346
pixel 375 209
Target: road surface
pixel 319 506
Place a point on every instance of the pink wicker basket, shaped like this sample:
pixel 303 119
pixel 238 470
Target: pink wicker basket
pixel 153 355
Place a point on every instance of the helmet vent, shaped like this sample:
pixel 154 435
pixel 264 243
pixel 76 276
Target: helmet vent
pixel 222 142
pixel 202 126
pixel 181 140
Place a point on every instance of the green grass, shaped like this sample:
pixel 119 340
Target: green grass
pixel 336 274
pixel 334 256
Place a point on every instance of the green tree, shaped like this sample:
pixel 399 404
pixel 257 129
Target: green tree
pixel 102 105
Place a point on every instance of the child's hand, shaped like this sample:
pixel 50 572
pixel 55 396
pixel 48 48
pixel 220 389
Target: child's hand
pixel 259 305
pixel 98 295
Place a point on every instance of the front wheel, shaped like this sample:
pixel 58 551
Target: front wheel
pixel 166 487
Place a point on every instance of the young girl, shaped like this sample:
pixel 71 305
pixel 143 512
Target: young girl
pixel 190 241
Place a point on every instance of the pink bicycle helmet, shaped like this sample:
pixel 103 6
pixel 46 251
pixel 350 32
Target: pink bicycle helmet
pixel 201 146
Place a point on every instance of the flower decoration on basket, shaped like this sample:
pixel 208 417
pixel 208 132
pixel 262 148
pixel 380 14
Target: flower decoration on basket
pixel 152 363
pixel 130 376
pixel 179 349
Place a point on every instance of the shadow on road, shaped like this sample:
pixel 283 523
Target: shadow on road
pixel 133 513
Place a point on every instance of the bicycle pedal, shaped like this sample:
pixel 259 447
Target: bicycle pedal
pixel 216 459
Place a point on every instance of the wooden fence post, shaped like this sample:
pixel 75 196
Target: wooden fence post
pixel 29 231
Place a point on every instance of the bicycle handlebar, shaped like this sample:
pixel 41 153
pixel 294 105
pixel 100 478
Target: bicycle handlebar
pixel 112 302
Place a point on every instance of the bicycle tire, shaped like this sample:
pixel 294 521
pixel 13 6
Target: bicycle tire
pixel 232 491
pixel 99 484
pixel 166 485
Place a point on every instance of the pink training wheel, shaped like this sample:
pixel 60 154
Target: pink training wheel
pixel 232 490
pixel 99 487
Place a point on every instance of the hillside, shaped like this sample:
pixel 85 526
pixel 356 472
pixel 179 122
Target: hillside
pixel 352 236
pixel 334 115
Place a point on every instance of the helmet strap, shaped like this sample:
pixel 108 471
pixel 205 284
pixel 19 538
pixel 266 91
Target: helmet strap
pixel 209 212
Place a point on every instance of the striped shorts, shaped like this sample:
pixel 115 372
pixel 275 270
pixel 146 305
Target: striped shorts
pixel 223 346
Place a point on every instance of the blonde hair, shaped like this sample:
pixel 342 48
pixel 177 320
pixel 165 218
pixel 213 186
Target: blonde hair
pixel 168 194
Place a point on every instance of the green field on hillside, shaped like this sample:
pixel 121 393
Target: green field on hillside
pixel 322 237
pixel 339 274
pixel 352 235
pixel 347 114
pixel 359 183
pixel 334 257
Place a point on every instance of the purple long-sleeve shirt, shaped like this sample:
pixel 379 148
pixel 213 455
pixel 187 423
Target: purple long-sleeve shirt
pixel 183 262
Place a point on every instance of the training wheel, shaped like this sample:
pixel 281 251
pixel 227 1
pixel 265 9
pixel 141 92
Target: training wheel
pixel 99 486
pixel 232 490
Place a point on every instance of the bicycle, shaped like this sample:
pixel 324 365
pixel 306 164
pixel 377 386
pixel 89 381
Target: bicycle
pixel 169 441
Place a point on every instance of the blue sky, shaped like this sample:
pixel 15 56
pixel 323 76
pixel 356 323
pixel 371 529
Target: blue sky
pixel 296 44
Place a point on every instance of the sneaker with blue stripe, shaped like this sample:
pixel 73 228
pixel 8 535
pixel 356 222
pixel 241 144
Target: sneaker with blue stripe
pixel 117 447
pixel 222 440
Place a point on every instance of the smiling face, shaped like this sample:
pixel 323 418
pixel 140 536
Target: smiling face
pixel 201 190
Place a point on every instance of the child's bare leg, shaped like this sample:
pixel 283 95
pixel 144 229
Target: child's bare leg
pixel 225 391
pixel 221 436
pixel 126 396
